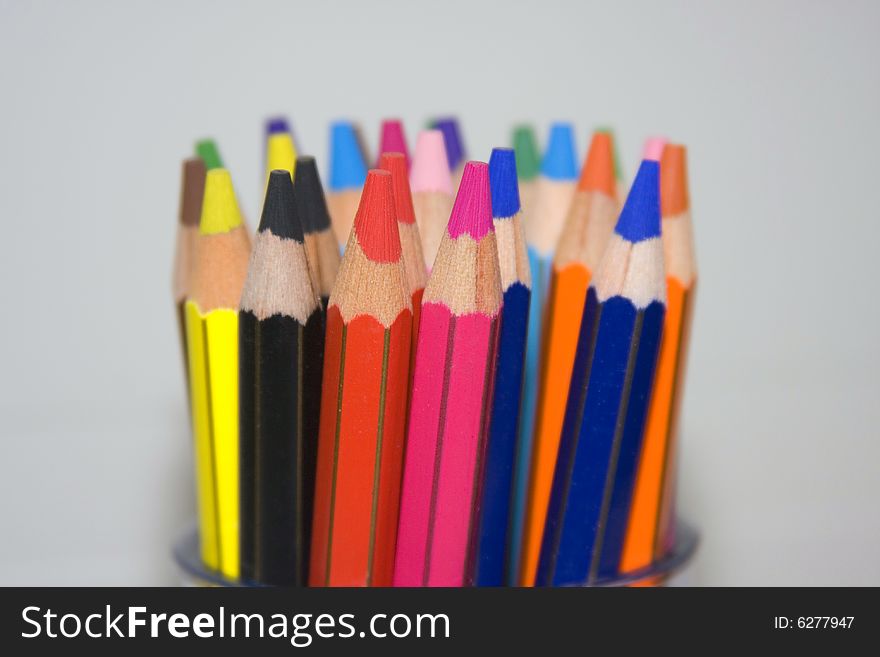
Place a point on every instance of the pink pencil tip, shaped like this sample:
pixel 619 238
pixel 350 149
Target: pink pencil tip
pixel 653 149
pixel 392 139
pixel 472 210
pixel 430 168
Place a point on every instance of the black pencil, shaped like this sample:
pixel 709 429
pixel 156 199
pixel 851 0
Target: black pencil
pixel 281 342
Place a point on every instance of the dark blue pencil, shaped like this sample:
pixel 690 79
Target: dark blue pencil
pixel 608 397
pixel 492 563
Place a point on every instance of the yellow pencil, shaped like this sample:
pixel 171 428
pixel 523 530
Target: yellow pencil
pixel 221 259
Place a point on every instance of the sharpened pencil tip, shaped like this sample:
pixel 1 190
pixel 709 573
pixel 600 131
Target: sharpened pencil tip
pixel 279 209
pixel 311 204
pixel 210 154
pixel 674 196
pixel 503 183
pixel 598 172
pixel 452 140
pixel 430 169
pixel 472 210
pixel 375 225
pixel 395 164
pixel 277 124
pixel 559 158
pixel 528 161
pixel 220 213
pixel 347 167
pixel 640 218
pixel 393 140
pixel 653 148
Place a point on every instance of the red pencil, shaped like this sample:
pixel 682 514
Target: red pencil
pixel 451 396
pixel 363 408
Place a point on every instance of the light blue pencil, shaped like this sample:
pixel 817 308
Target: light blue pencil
pixel 553 193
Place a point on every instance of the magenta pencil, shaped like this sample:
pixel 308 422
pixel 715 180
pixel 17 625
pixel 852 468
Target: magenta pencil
pixel 392 139
pixel 451 396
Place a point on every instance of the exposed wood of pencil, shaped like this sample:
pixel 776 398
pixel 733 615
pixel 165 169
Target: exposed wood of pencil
pixel 610 386
pixel 652 516
pixel 221 257
pixel 451 399
pixel 493 565
pixel 281 339
pixel 588 226
pixel 363 409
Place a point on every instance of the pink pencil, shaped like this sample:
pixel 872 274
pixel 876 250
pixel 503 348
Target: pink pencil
pixel 451 396
pixel 431 185
pixel 653 148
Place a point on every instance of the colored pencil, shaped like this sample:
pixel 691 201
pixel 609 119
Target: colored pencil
pixel 452 389
pixel 207 150
pixel 392 139
pixel 653 150
pixel 363 409
pixel 455 151
pixel 192 189
pixel 553 193
pixel 651 521
pixel 280 147
pixel 281 339
pixel 528 165
pixel 588 226
pixel 493 567
pixel 410 240
pixel 322 249
pixel 432 191
pixel 221 260
pixel 608 400
pixel 347 174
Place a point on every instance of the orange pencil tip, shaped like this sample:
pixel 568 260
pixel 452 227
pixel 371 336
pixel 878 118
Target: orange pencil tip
pixel 597 174
pixel 674 197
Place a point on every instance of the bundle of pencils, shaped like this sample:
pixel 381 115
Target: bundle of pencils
pixel 608 397
pixel 590 221
pixel 484 389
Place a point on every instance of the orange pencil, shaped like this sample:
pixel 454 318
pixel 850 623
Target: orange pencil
pixel 363 408
pixel 588 225
pixel 650 526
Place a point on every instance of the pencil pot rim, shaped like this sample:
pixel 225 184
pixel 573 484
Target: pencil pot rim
pixel 193 572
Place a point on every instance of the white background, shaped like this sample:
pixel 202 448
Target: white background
pixel 778 103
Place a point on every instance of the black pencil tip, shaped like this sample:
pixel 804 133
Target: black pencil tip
pixel 279 208
pixel 310 201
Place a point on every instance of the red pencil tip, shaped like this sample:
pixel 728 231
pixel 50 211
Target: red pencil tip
pixel 598 172
pixel 395 163
pixel 375 226
pixel 674 198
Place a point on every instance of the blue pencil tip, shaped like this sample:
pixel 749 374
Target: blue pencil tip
pixel 559 161
pixel 640 218
pixel 347 167
pixel 277 124
pixel 503 183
